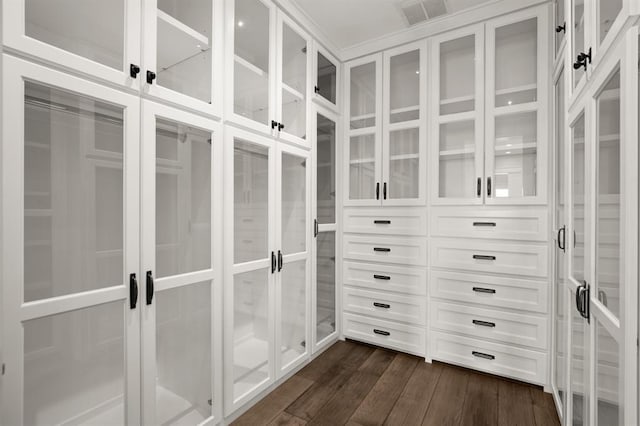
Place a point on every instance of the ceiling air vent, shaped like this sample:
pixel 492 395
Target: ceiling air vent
pixel 417 11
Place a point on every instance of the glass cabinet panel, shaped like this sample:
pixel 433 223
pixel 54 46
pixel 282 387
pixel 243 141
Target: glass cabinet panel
pixel 457 161
pixel 578 193
pixel 561 29
pixel 404 165
pixel 251 60
pixel 362 167
pixel 516 54
pixel 184 47
pixel 93 29
pixel 326 169
pixel 578 44
pixel 608 11
pixel 294 82
pixel 579 364
pixel 327 82
pixel 363 96
pixel 404 87
pixel 609 409
pixel 293 312
pixel 294 204
pixel 325 285
pixel 457 75
pixel 608 221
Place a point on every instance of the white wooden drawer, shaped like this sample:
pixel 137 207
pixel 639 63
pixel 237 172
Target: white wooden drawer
pixel 385 306
pixel 522 364
pixel 489 256
pixel 527 295
pixel 375 248
pixel 517 223
pixel 389 334
pixel 385 277
pixel 386 221
pixel 505 327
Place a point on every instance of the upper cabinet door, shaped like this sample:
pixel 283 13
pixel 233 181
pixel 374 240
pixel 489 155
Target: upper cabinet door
pixel 517 91
pixel 182 46
pixel 93 37
pixel 403 148
pixel 326 78
pixel 363 134
pixel 457 105
pixel 250 65
pixel 294 73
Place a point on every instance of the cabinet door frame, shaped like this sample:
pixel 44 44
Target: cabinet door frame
pixel 376 130
pixel 316 97
pixel 477 115
pixel 231 269
pixel 420 124
pixel 150 112
pixel 15 72
pixel 15 39
pixel 149 63
pixel 540 106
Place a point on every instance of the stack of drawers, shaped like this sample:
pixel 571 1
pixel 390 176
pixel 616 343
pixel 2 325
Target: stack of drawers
pixel 385 277
pixel 489 290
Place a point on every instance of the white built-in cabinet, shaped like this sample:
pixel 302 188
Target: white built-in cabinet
pixel 385 136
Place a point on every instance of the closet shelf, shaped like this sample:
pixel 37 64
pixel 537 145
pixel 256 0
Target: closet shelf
pixel 404 109
pixel 362 161
pixel 466 151
pixel 456 100
pixel 516 89
pixel 517 148
pixel 363 117
pixel 291 95
pixel 177 42
pixel 250 67
pixel 38 145
pixel 403 157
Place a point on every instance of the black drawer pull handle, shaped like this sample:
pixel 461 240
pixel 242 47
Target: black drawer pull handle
pixel 482 355
pixel 150 287
pixel 381 332
pixel 484 323
pixel 381 305
pixel 382 222
pixel 484 224
pixel 484 290
pixel 483 257
pixel 133 291
pixel 384 249
pixel 381 277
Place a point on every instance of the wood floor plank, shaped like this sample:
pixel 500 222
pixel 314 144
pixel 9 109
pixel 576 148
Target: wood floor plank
pixel 411 406
pixel 515 407
pixel 274 403
pixel 481 403
pixel 378 362
pixel 375 408
pixel 544 409
pixel 286 419
pixel 334 355
pixel 446 405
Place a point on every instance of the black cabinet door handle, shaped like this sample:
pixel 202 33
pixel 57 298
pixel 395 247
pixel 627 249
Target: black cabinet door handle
pixel 562 28
pixel 492 224
pixel 134 70
pixel 316 89
pixel 315 227
pixel 383 249
pixel 484 323
pixel 484 290
pixel 384 191
pixel 381 305
pixel 280 127
pixel 479 187
pixel 382 222
pixel 561 238
pixel 482 355
pixel 381 277
pixel 150 77
pixel 133 291
pixel 483 257
pixel 489 186
pixel 377 190
pixel 150 287
pixel 280 261
pixel 273 262
pixel 381 332
pixel 274 124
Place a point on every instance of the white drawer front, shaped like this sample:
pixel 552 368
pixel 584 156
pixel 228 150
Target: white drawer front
pixel 506 327
pixel 385 277
pixel 385 306
pixel 385 333
pixel 500 292
pixel 522 364
pixel 406 250
pixel 386 221
pixel 488 256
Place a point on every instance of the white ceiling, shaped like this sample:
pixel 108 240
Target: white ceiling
pixel 350 22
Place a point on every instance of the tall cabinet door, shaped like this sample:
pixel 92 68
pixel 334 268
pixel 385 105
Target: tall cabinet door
pixel 363 147
pixel 326 87
pixel 71 316
pixel 182 52
pixel 293 211
pixel 457 105
pixel 251 266
pixel 181 285
pixel 517 85
pixel 404 124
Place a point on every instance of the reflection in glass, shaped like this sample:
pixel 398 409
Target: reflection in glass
pixel 294 203
pixel 578 189
pixel 457 170
pixel 183 382
pixel 404 90
pixel 457 75
pixel 326 285
pixel 294 82
pixel 609 409
pixel 183 198
pixel 608 12
pixel 404 164
pixel 293 320
pixel 363 96
pixel 326 169
pixel 327 75
pixel 73 193
pixel 362 167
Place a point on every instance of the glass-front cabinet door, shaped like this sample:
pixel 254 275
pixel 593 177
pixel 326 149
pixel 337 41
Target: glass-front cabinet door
pixel 182 42
pixel 404 126
pixel 363 145
pixel 516 133
pixel 579 42
pixel 326 78
pixel 71 328
pixel 182 270
pixel 457 93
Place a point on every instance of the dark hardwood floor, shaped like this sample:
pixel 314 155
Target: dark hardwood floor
pixel 356 384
